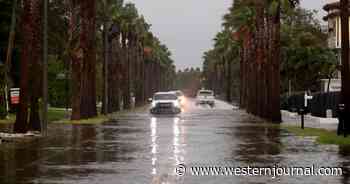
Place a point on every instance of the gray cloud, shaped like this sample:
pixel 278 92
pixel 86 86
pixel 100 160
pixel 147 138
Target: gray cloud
pixel 187 27
pixel 317 5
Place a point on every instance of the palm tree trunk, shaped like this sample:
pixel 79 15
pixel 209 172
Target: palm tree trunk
pixel 9 52
pixel 115 72
pixel 242 81
pixel 85 94
pixel 35 69
pixel 260 58
pixel 215 75
pixel 254 79
pixel 159 77
pixel 114 54
pixel 228 80
pixel 139 101
pixel 345 73
pixel 126 78
pixel 20 125
pixel 105 89
pixel 11 35
pixel 143 75
pixel 275 80
pixel 147 84
pixel 75 60
pixel 249 75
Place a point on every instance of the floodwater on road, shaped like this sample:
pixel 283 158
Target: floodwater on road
pixel 138 148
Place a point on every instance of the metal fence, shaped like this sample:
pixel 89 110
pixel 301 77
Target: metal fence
pixel 318 106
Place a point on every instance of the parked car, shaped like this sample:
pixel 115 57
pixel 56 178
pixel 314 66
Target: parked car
pixel 165 102
pixel 205 97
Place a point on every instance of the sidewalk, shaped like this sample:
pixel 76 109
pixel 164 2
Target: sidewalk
pixel 293 119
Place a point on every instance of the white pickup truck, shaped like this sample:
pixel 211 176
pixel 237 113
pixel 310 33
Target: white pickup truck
pixel 165 102
pixel 205 97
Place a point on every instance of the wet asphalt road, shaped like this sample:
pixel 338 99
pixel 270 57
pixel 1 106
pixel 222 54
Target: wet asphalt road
pixel 138 148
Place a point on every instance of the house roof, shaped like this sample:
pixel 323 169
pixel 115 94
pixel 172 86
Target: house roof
pixel 333 9
pixel 331 6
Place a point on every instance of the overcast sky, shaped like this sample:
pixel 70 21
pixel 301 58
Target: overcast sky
pixel 187 27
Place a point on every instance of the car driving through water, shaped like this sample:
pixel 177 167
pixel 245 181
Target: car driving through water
pixel 165 102
pixel 205 97
pixel 180 97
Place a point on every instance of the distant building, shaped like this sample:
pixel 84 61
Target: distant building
pixel 334 39
pixel 334 24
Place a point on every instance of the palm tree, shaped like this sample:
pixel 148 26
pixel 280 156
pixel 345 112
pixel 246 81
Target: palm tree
pixel 227 50
pixel 242 20
pixel 36 65
pixel 345 73
pixel 142 29
pixel 116 59
pixel 107 11
pixel 148 43
pixel 159 69
pixel 275 52
pixel 11 41
pixel 256 29
pixel 30 55
pixel 115 68
pixel 20 125
pixel 129 15
pixel 84 64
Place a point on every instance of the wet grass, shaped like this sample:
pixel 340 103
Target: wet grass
pixel 59 115
pixel 11 119
pixel 91 121
pixel 54 114
pixel 323 136
pixel 100 118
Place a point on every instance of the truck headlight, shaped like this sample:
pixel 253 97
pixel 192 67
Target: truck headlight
pixel 176 104
pixel 154 104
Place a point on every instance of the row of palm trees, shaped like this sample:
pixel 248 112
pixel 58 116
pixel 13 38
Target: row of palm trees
pixel 250 40
pixel 135 63
pixel 220 64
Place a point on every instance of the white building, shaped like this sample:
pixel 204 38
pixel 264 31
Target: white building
pixel 334 38
pixel 334 23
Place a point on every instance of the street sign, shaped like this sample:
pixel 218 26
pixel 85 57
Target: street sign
pixel 14 94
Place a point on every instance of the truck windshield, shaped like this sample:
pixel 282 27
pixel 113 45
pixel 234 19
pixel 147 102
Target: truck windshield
pixel 165 97
pixel 178 93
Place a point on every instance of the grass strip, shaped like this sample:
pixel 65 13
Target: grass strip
pixel 91 121
pixel 323 136
pixel 53 114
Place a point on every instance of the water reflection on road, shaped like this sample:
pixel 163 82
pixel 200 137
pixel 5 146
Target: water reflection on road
pixel 141 148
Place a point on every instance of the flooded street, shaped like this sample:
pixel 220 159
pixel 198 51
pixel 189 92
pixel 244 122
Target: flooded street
pixel 138 148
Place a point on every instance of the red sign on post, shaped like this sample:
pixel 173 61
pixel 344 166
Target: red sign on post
pixel 14 93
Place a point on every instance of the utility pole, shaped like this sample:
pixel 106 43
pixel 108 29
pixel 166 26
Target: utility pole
pixel 45 60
